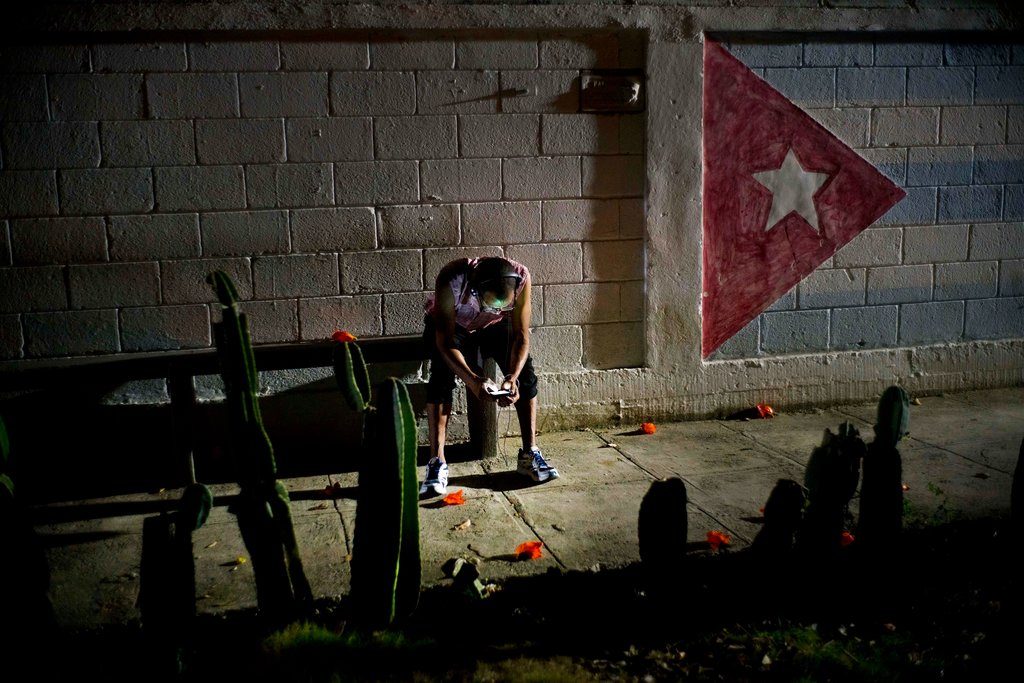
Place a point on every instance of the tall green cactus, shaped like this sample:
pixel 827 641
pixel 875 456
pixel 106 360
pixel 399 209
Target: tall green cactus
pixel 881 495
pixel 386 554
pixel 263 507
pixel 831 480
pixel 352 375
pixel 662 529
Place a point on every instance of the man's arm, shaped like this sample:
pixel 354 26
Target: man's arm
pixel 520 333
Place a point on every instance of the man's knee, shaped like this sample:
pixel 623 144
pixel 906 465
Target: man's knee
pixel 528 380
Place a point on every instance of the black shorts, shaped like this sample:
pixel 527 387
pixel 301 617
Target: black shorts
pixel 489 342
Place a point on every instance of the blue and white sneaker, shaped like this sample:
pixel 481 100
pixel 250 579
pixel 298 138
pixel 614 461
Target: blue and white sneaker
pixel 533 465
pixel 436 481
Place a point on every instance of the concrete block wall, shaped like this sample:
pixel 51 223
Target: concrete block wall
pixel 945 121
pixel 332 180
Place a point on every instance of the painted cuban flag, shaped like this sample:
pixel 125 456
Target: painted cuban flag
pixel 781 195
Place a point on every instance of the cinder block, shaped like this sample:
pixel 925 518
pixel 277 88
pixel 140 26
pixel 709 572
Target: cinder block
pixel 28 193
pixel 70 333
pixel 282 277
pixel 537 305
pixel 935 243
pixel 31 103
pixel 272 321
pixel 365 183
pixel 456 92
pixel 436 259
pixel 852 125
pixel 786 302
pixel 330 139
pixel 139 57
pixel 58 240
pixel 507 135
pixel 838 53
pixel 632 133
pixel 460 179
pixel 111 285
pixel 998 164
pixel 1014 205
pixel 794 331
pixel 999 85
pixel 585 52
pixel 403 313
pixel 1011 278
pixel 899 284
pixel 134 238
pixel 284 94
pixel 762 54
pixel 360 315
pixel 184 282
pixel 106 190
pixel 333 229
pixel 242 141
pixel 415 137
pixel 5 244
pixel 147 143
pixel 245 233
pixel 90 97
pixel 586 302
pixel 977 53
pixel 1001 318
pixel 973 125
pixel 807 87
pixel 289 185
pixel 875 247
pixel 189 96
pixel 72 144
pixel 632 222
pixel 501 223
pixel 580 134
pixel 427 225
pixel 391 270
pixel 990 241
pixel 403 53
pixel 902 53
pixel 905 126
pixel 68 58
pixel 613 345
pixel 32 289
pixel 301 55
pixel 512 53
pixel 917 208
pixel 613 176
pixel 1014 124
pixel 960 204
pixel 540 91
pixel 192 188
pixel 555 349
pixel 870 86
pixel 891 161
pixel 158 328
pixel 613 260
pixel 939 321
pixel 581 219
pixel 234 56
pixel 372 93
pixel 939 166
pixel 12 341
pixel 744 344
pixel 976 280
pixel 940 85
pixel 561 262
pixel 830 288
pixel 867 327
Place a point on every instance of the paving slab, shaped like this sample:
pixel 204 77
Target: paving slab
pixel 793 435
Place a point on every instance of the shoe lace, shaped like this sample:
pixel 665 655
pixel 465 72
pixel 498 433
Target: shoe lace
pixel 434 469
pixel 539 461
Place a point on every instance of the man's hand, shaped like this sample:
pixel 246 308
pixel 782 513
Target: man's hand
pixel 510 383
pixel 476 385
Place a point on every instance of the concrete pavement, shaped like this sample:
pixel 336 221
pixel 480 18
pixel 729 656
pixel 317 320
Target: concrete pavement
pixel 957 461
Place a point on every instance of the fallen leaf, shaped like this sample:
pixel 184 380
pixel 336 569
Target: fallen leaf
pixel 766 660
pixel 906 487
pixel 212 544
pixel 717 539
pixel 343 336
pixel 765 411
pixel 558 527
pixel 915 401
pixel 610 445
pixel 981 475
pixel 530 550
pixel 454 498
pixel 846 539
pixel 321 506
pixel 462 526
pixel 648 428
pixel 240 560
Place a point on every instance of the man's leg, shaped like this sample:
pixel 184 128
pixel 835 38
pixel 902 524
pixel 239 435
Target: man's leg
pixel 527 413
pixel 437 419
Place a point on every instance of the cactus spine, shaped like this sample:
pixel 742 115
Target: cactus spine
pixel 263 507
pixel 881 495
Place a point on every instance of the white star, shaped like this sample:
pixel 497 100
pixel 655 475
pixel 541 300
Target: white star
pixel 792 190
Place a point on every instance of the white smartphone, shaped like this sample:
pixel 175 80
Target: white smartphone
pixel 495 390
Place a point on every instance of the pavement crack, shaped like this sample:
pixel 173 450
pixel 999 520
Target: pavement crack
pixel 771 449
pixel 517 505
pixel 341 517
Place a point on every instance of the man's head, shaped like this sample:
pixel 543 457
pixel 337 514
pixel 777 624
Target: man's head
pixel 494 280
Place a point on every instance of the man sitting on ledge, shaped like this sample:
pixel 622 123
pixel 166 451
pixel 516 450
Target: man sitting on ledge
pixel 481 303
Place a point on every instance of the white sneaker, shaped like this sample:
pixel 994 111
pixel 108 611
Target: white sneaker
pixel 533 465
pixel 436 481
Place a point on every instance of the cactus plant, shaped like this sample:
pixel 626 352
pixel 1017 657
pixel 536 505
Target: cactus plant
pixel 831 480
pixel 782 516
pixel 881 495
pixel 662 529
pixel 386 555
pixel 352 375
pixel 263 507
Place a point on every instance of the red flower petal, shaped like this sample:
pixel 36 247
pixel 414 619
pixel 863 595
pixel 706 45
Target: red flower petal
pixel 343 336
pixel 648 428
pixel 454 498
pixel 530 550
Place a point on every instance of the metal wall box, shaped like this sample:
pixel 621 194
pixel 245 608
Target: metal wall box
pixel 612 90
